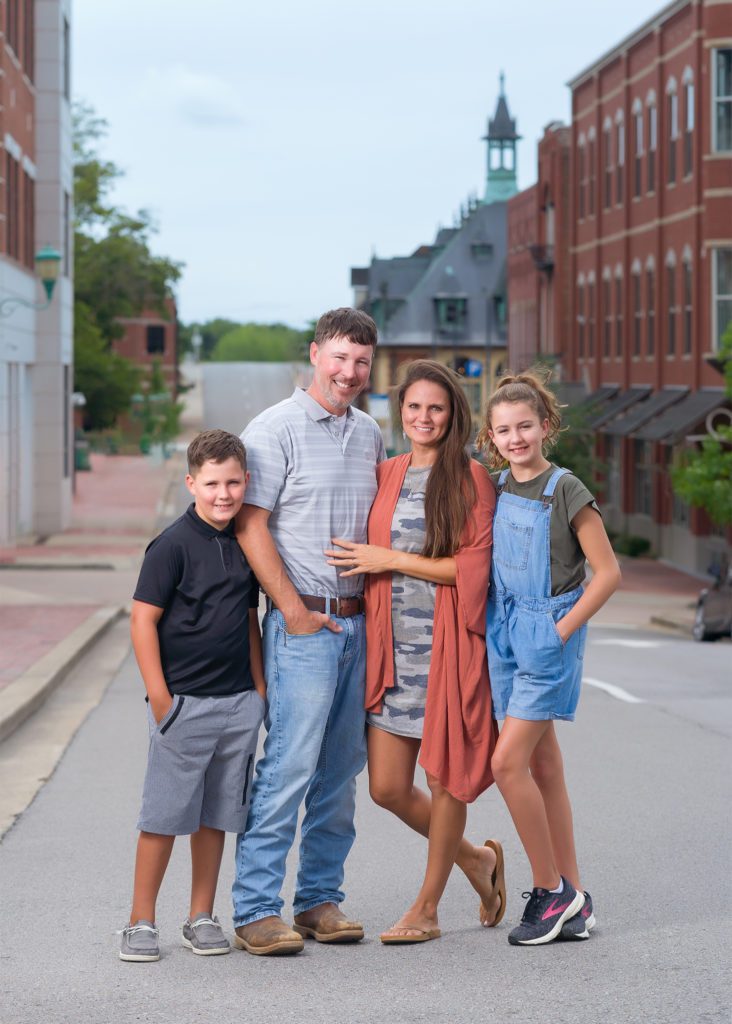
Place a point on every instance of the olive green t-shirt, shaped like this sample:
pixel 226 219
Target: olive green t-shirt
pixel 570 495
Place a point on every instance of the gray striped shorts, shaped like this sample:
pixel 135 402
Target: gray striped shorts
pixel 199 765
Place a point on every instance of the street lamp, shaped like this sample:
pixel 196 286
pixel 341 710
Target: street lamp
pixel 47 266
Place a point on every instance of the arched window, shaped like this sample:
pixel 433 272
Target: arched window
pixel 688 83
pixel 581 176
pixel 607 313
pixel 581 316
pixel 652 140
pixel 637 308
pixel 688 284
pixel 672 128
pixel 651 307
pixel 618 312
pixel 591 315
pixel 619 155
pixel 607 162
pixel 671 307
pixel 637 148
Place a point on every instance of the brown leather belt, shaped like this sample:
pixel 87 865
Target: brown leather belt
pixel 342 607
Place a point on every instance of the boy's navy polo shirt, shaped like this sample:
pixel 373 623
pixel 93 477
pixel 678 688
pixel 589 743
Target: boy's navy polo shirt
pixel 199 576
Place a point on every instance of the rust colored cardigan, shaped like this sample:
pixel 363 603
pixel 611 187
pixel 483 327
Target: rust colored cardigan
pixel 459 730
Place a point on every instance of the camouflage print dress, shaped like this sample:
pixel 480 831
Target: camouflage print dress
pixel 412 613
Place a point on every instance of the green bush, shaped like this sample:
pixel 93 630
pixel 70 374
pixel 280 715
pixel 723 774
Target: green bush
pixel 630 544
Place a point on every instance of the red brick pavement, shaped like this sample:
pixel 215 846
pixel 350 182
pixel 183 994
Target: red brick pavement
pixel 28 632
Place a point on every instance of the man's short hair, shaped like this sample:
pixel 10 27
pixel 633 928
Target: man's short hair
pixel 215 446
pixel 349 323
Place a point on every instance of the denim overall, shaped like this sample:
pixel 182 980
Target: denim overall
pixel 534 675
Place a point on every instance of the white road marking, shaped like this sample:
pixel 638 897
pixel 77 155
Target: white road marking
pixel 615 691
pixel 611 641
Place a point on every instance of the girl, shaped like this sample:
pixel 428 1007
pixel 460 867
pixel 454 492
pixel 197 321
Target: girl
pixel 546 524
pixel 427 689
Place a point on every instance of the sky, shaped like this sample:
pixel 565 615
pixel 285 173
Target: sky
pixel 277 144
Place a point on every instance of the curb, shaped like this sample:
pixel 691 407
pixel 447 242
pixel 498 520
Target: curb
pixel 680 627
pixel 23 696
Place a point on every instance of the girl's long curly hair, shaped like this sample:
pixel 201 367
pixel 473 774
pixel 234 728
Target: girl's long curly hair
pixel 530 387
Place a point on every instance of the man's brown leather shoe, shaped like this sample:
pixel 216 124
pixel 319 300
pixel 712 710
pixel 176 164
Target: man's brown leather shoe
pixel 326 923
pixel 269 936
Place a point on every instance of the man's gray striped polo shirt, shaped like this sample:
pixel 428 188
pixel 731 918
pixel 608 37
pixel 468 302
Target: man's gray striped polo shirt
pixel 316 474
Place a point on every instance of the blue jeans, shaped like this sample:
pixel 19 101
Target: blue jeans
pixel 315 748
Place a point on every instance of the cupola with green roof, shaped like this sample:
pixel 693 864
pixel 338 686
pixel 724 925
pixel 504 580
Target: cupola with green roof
pixel 500 182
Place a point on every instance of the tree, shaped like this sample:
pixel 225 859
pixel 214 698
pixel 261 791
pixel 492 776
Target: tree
pixel 703 476
pixel 115 275
pixel 261 343
pixel 210 332
pixel 106 380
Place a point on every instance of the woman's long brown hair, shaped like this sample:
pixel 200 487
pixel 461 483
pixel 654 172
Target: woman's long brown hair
pixel 450 491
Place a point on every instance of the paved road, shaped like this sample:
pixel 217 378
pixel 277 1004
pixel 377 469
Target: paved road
pixel 651 795
pixel 231 388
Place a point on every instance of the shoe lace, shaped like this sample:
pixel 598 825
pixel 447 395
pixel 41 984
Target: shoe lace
pixel 532 909
pixel 134 928
pixel 203 920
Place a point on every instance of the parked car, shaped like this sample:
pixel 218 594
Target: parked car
pixel 714 606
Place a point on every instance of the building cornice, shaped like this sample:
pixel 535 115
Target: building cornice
pixel 652 25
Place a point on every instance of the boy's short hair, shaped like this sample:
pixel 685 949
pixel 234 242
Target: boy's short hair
pixel 354 324
pixel 215 446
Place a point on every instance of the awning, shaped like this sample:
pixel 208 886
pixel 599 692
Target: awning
pixel 617 405
pixel 603 394
pixel 642 412
pixel 676 422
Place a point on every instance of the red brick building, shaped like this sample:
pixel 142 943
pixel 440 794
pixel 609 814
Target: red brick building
pixel 649 290
pixel 151 337
pixel 539 272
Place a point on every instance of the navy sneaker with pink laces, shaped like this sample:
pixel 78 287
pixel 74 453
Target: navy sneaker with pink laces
pixel 580 926
pixel 545 913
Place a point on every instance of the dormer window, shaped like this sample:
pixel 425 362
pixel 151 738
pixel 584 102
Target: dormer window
pixel 451 314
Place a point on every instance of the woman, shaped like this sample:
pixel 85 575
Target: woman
pixel 427 690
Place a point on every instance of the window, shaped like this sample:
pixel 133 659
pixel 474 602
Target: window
pixel 651 317
pixel 451 315
pixel 29 36
pixel 13 207
pixel 28 230
pixel 607 151
pixel 618 316
pixel 620 163
pixel 722 85
pixel 688 125
pixel 67 60
pixel 581 319
pixel 155 339
pixel 591 182
pixel 607 322
pixel 652 144
pixel 482 252
pixel 638 152
pixel 672 129
pixel 472 391
pixel 591 319
pixel 687 308
pixel 66 265
pixel 613 455
pixel 672 310
pixel 637 313
pixel 581 177
pixel 12 25
pixel 643 477
pixel 722 280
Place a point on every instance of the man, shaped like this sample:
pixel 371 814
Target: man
pixel 313 477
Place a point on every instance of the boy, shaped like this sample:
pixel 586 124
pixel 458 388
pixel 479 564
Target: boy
pixel 196 637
